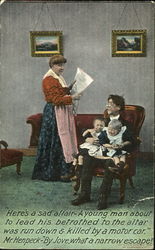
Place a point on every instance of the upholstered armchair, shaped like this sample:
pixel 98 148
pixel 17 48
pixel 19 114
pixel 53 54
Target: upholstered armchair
pixel 10 157
pixel 133 113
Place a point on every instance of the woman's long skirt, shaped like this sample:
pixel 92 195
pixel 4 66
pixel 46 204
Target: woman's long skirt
pixel 50 163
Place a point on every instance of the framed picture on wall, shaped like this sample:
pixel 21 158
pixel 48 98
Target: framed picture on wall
pixel 128 42
pixel 46 43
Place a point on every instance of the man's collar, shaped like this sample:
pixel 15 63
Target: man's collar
pixel 114 117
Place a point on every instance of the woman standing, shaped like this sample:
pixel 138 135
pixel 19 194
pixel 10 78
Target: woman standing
pixel 57 141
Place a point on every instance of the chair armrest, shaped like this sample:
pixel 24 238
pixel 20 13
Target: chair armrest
pixel 34 119
pixel 4 143
pixel 138 141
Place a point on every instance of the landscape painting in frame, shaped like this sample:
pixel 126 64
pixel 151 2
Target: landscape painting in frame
pixel 46 43
pixel 128 42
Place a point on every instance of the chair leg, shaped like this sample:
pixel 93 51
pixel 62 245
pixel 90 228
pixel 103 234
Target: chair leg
pixel 131 182
pixel 122 189
pixel 76 185
pixel 18 168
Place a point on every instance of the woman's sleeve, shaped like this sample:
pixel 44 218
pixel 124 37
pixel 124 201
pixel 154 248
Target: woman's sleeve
pixel 55 93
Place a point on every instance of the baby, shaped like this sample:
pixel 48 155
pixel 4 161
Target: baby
pixel 117 140
pixel 91 144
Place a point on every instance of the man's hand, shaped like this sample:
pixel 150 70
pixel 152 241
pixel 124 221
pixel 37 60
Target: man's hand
pixel 117 146
pixel 96 142
pixel 108 145
pixel 120 146
pixel 102 157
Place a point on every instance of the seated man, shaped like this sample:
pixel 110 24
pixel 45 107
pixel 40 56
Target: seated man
pixel 115 105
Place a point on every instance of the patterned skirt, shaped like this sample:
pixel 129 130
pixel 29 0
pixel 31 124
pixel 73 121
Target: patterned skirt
pixel 50 163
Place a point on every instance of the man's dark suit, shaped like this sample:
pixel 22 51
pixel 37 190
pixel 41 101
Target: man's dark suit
pixel 87 173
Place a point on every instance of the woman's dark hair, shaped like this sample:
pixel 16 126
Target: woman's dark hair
pixel 56 59
pixel 117 100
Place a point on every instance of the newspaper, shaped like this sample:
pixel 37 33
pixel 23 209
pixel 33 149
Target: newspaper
pixel 83 80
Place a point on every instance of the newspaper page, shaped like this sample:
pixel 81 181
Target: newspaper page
pixel 83 80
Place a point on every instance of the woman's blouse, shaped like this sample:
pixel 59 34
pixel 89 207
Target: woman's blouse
pixel 54 92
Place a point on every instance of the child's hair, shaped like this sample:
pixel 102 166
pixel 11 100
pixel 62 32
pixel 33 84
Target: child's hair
pixel 115 124
pixel 100 119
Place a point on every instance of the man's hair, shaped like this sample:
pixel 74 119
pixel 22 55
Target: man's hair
pixel 118 100
pixel 56 59
pixel 115 124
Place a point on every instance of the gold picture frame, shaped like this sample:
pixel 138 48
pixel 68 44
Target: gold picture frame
pixel 46 43
pixel 128 43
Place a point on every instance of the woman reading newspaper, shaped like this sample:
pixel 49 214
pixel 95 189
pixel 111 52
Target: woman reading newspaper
pixel 57 141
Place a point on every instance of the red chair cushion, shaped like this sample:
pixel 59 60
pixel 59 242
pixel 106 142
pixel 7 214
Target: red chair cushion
pixel 10 157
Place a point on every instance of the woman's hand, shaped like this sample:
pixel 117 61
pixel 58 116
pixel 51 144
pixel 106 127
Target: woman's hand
pixel 76 96
pixel 71 85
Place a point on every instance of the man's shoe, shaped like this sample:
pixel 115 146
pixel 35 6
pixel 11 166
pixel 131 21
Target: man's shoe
pixel 75 155
pixel 74 178
pixel 76 186
pixel 65 178
pixel 80 200
pixel 102 202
